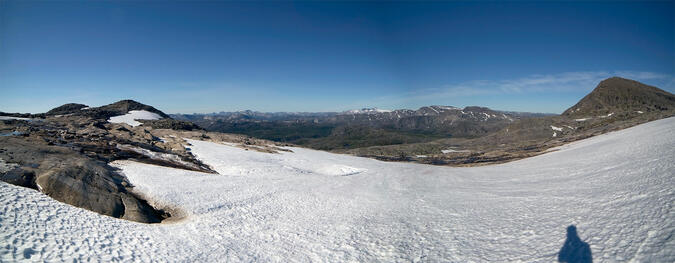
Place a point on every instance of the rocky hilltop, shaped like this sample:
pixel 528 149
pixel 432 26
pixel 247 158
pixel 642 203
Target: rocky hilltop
pixel 619 96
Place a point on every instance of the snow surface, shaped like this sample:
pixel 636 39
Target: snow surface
pixel 455 151
pixel 617 188
pixel 14 118
pixel 131 117
pixel 556 128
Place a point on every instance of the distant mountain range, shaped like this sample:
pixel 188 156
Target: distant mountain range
pixel 346 116
pixel 359 128
pixel 616 103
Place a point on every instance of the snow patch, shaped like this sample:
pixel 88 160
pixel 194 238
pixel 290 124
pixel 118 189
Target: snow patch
pixel 455 151
pixel 584 119
pixel 556 128
pixel 448 107
pixel 368 111
pixel 131 117
pixel 14 118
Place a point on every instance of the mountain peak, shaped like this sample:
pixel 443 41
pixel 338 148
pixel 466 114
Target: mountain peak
pixel 616 94
pixel 124 106
pixel 66 109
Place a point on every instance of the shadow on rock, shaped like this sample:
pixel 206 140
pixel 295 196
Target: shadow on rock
pixel 575 250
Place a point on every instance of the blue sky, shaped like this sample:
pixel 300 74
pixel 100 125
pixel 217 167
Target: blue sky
pixel 327 56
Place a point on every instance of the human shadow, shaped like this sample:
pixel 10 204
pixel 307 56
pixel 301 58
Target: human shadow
pixel 575 250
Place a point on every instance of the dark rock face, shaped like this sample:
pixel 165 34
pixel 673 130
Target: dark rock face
pixel 121 108
pixel 85 185
pixel 103 112
pixel 74 179
pixel 19 176
pixel 170 124
pixel 69 108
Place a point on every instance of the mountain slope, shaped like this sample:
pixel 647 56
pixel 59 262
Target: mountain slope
pixel 618 95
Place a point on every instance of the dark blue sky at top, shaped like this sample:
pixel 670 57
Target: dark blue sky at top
pixel 327 56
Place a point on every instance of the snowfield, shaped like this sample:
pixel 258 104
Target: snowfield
pixel 131 117
pixel 618 189
pixel 14 118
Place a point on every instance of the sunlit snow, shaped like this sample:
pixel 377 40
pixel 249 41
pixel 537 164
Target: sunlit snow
pixel 14 118
pixel 556 128
pixel 131 117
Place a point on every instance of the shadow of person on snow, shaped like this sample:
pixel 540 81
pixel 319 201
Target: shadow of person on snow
pixel 574 250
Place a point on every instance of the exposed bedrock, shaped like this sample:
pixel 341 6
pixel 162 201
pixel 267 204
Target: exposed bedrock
pixel 73 179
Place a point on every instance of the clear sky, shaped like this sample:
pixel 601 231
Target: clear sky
pixel 327 56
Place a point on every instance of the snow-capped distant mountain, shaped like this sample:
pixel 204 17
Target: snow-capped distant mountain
pixel 366 111
pixel 369 125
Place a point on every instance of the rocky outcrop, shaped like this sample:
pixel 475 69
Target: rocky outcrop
pixel 104 112
pixel 66 156
pixel 120 108
pixel 170 124
pixel 74 179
